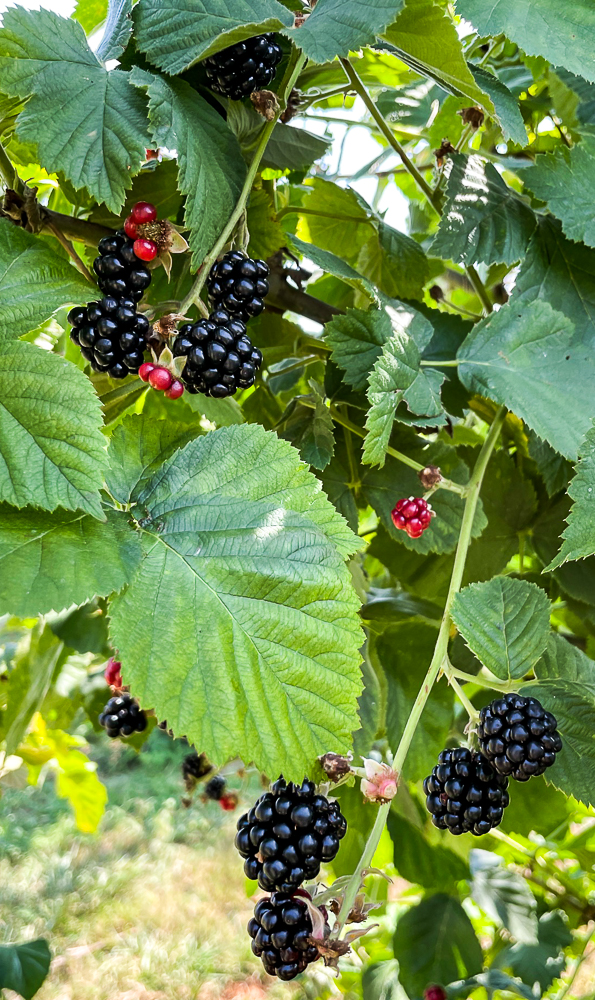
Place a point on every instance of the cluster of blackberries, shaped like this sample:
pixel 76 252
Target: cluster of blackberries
pixel 122 716
pixel 220 355
pixel 413 516
pixel 281 932
pixel 465 794
pixel 518 736
pixel 287 835
pixel 238 284
pixel 120 273
pixel 245 67
pixel 111 335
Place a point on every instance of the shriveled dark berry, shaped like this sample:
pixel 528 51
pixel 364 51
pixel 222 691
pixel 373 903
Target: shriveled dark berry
pixel 245 67
pixel 518 736
pixel 213 348
pixel 215 787
pixel 464 794
pixel 122 716
pixel 294 830
pixel 238 284
pixel 281 932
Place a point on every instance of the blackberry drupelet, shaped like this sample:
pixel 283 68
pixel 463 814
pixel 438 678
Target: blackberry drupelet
pixel 119 271
pixel 465 794
pixel 215 787
pixel 281 929
pixel 245 67
pixel 111 335
pixel 412 516
pixel 518 736
pixel 238 284
pixel 221 356
pixel 122 716
pixel 293 830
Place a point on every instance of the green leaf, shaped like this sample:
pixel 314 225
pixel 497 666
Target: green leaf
pixel 563 35
pixel 527 357
pixel 539 964
pixel 380 981
pixel 434 942
pixel 117 31
pixel 96 133
pixel 90 14
pixel 292 148
pixel 52 451
pixel 356 339
pixel 259 655
pixel 505 103
pixel 424 36
pixel 266 235
pixel 565 686
pixel 484 220
pixel 404 652
pixel 505 622
pixel 211 167
pixel 395 263
pixel 24 967
pixel 35 281
pixel 84 629
pixel 176 35
pixel 158 186
pixel 553 468
pixel 534 805
pixel 566 181
pixel 94 558
pixel 493 981
pixel 422 862
pixel 345 222
pixel 579 536
pixel 137 449
pixel 335 27
pixel 504 896
pixel 331 264
pixel 310 428
pixel 29 682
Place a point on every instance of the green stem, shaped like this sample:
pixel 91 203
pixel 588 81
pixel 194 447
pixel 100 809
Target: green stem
pixel 440 364
pixel 294 69
pixel 465 701
pixel 354 884
pixel 8 171
pixel 484 682
pixel 480 289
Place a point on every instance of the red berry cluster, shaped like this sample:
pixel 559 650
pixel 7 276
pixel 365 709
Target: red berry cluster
pixel 412 515
pixel 161 379
pixel 142 213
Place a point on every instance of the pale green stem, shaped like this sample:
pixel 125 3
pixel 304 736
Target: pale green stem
pixel 468 705
pixel 485 682
pixel 480 289
pixel 354 884
pixel 440 364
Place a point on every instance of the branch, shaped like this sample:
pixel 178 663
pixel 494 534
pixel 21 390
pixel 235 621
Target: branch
pixel 283 297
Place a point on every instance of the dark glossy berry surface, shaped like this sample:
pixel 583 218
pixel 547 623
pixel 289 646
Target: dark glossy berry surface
pixel 238 284
pixel 119 270
pixel 213 349
pixel 109 336
pixel 412 515
pixel 281 930
pixel 294 830
pixel 245 67
pixel 464 794
pixel 215 787
pixel 518 736
pixel 122 717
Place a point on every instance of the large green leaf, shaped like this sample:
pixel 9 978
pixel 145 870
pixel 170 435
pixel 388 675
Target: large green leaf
pixel 564 35
pixel 422 862
pixel 527 357
pixel 356 339
pixel 24 967
pixel 175 35
pixel 435 942
pixel 330 263
pixel 395 263
pixel 345 221
pixel 35 280
pixel 90 14
pixel 308 424
pixel 94 558
pixel 52 451
pixel 579 536
pixel 566 181
pixel 336 27
pixel 539 964
pixel 211 167
pixel 505 103
pixel 565 685
pixel 484 220
pixel 29 682
pixel 504 896
pixel 138 447
pixel 96 130
pixel 259 648
pixel 505 622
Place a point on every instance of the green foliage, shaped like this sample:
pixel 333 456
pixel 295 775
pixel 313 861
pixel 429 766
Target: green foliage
pixel 504 896
pixel 356 340
pixel 24 967
pixel 578 538
pixel 564 181
pixel 337 27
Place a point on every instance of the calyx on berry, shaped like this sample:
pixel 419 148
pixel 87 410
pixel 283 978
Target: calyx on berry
pixel 412 515
pixel 113 674
pixel 518 736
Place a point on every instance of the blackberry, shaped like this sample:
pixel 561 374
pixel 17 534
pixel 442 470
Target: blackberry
pixel 413 516
pixel 196 765
pixel 238 284
pixel 518 736
pixel 221 356
pixel 122 716
pixel 293 830
pixel 245 67
pixel 465 794
pixel 215 787
pixel 111 335
pixel 119 271
pixel 281 930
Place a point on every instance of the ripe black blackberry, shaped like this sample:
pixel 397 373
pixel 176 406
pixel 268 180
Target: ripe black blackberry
pixel 122 716
pixel 215 787
pixel 238 284
pixel 518 736
pixel 281 930
pixel 119 271
pixel 293 830
pixel 221 356
pixel 465 794
pixel 111 335
pixel 245 67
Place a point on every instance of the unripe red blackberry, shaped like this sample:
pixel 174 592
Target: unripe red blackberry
pixel 245 67
pixel 122 716
pixel 281 932
pixel 111 335
pixel 221 356
pixel 238 284
pixel 288 834
pixel 412 515
pixel 434 993
pixel 112 674
pixel 465 794
pixel 518 736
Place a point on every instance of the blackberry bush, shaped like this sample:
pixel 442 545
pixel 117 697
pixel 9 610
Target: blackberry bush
pixel 518 736
pixel 281 932
pixel 288 834
pixel 111 335
pixel 122 716
pixel 238 284
pixel 245 67
pixel 465 794
pixel 220 355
